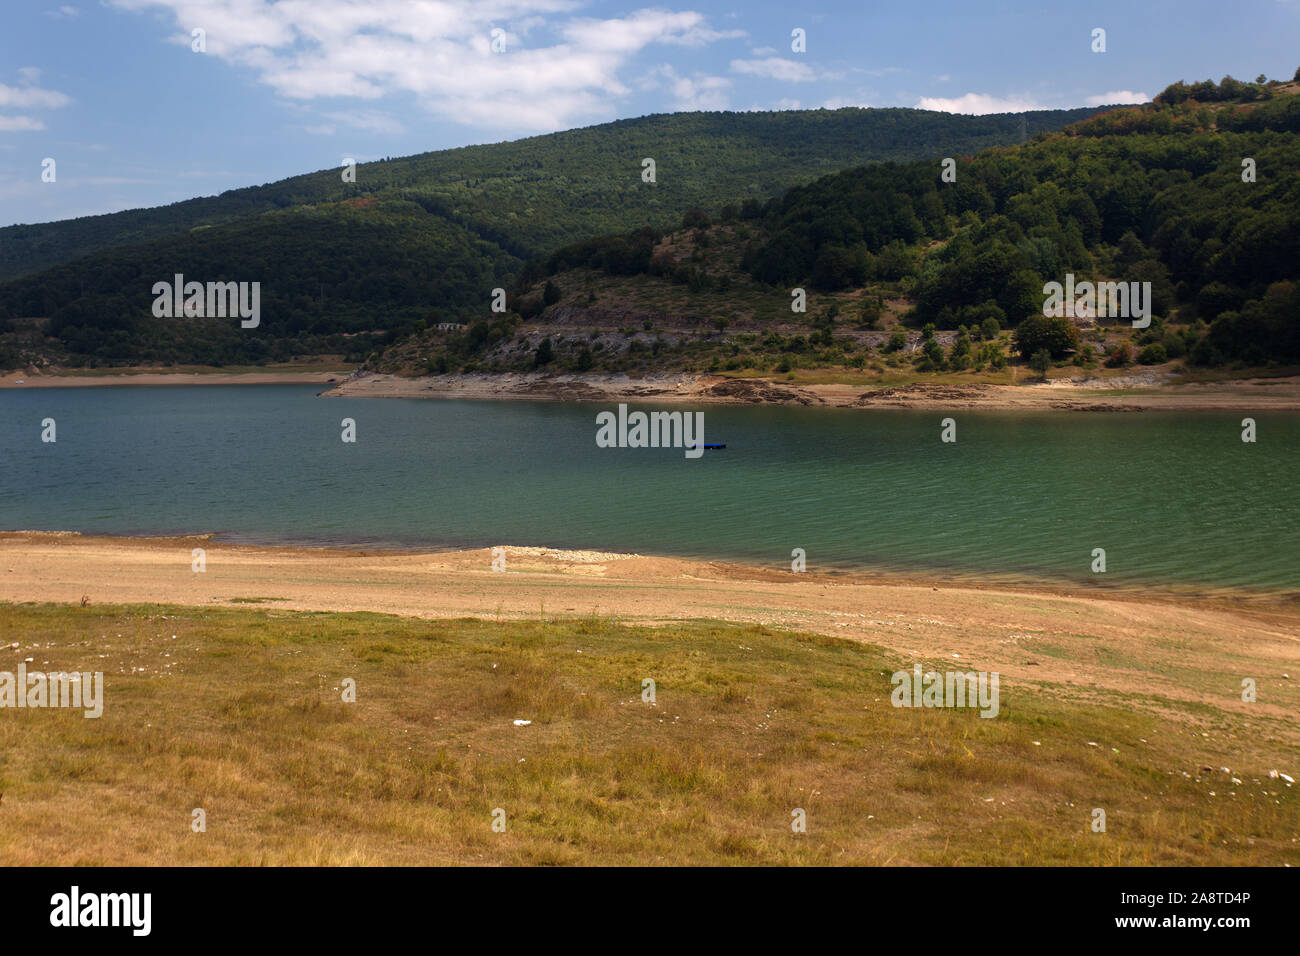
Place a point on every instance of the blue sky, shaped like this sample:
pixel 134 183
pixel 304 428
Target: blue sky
pixel 132 116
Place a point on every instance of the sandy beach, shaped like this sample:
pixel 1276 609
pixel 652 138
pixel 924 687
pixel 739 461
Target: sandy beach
pixel 17 380
pixel 1192 650
pixel 1138 391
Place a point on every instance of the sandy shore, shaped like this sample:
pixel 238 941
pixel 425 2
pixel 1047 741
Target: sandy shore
pixel 25 380
pixel 1135 391
pixel 1139 391
pixel 1132 643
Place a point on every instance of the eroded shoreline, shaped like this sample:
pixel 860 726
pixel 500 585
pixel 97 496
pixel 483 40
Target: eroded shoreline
pixel 1100 394
pixel 1128 642
pixel 1139 391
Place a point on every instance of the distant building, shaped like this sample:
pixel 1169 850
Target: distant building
pixel 449 326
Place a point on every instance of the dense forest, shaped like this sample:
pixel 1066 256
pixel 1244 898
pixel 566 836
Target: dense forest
pixel 385 262
pixel 347 267
pixel 533 194
pixel 1197 193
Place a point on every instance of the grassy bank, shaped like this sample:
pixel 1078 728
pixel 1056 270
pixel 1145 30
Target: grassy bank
pixel 239 712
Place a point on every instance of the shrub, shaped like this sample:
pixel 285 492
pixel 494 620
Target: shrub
pixel 1038 332
pixel 1153 354
pixel 544 355
pixel 871 313
pixel 933 354
pixel 1176 344
pixel 695 219
pixel 1122 356
pixel 961 355
pixel 1041 362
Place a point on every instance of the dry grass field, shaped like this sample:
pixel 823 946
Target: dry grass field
pixel 239 711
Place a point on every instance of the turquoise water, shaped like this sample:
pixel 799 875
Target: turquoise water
pixel 1171 497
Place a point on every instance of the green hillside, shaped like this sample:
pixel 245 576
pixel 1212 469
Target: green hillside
pixel 533 194
pixel 1149 194
pixel 426 238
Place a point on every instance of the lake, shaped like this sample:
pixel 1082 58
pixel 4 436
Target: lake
pixel 1172 498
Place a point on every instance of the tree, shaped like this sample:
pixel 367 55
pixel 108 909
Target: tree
pixel 695 219
pixel 959 357
pixel 871 313
pixel 1121 357
pixel 544 355
pixel 585 361
pixel 990 328
pixel 1038 332
pixel 1153 354
pixel 550 294
pixel 1041 362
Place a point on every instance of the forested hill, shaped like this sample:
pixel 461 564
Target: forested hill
pixel 531 195
pixel 349 267
pixel 1197 194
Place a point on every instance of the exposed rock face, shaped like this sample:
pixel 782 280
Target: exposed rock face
pixel 759 392
pixel 903 395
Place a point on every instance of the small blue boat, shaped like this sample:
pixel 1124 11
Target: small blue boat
pixel 708 445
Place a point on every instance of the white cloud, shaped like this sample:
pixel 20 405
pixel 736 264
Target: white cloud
pixel 881 71
pixel 62 13
pixel 31 97
pixel 27 98
pixel 979 104
pixel 367 120
pixel 1117 96
pixel 629 34
pixel 440 51
pixel 697 92
pixel 11 124
pixel 115 181
pixel 775 68
pixel 763 51
pixel 839 102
